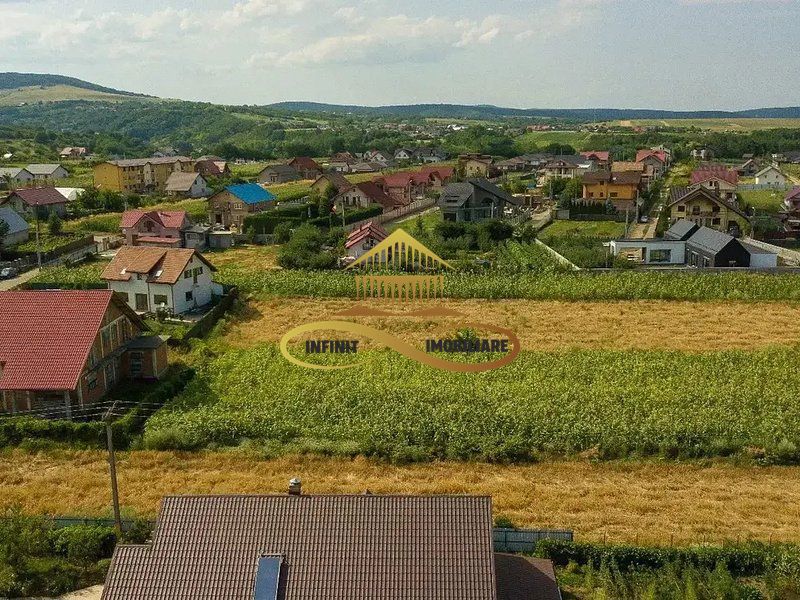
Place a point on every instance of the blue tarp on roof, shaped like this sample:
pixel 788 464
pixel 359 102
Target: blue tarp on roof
pixel 251 193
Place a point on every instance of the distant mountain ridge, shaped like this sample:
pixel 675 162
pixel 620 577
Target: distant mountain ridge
pixel 11 80
pixel 463 111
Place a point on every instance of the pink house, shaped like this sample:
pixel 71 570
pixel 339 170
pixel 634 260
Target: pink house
pixel 154 228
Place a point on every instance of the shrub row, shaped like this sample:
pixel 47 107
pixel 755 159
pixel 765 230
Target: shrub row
pixel 16 430
pixel 741 560
pixel 350 216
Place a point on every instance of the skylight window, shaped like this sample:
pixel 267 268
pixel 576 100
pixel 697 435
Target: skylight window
pixel 268 577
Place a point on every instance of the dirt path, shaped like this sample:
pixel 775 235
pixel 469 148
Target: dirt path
pixel 625 501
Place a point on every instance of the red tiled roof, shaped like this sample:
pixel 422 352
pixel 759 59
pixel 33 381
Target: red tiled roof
pixel 444 173
pixel 41 196
pixel 723 173
pixel 659 154
pixel 172 219
pixel 793 194
pixel 368 229
pixel 374 192
pixel 599 154
pixel 46 336
pixel 305 162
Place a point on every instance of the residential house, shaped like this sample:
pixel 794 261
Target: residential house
pixel 165 152
pixel 656 159
pixel 11 177
pixel 344 157
pixel 404 154
pixel 306 167
pixel 139 175
pixel 362 195
pixel 474 200
pixel 476 165
pixel 717 178
pixel 364 238
pixel 186 185
pixel 173 279
pixel 405 186
pixel 47 172
pixel 278 174
pixel 375 156
pixel 212 166
pixel 687 243
pixel 430 155
pixel 516 164
pixel 712 248
pixel 17 228
pixel 702 154
pixel 792 157
pixel 73 153
pixel 620 189
pixel 63 350
pixel 299 546
pixel 704 207
pixel 340 166
pixel 231 205
pixel 601 159
pixel 42 200
pixel 748 168
pixel 196 236
pixel 537 160
pixel 771 176
pixel 561 167
pixel 791 210
pixel 337 180
pixel 438 176
pixel 154 228
pixel 365 167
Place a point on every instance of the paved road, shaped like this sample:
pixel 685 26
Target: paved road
pixel 8 284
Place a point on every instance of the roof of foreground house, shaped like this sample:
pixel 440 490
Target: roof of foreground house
pixel 710 240
pixel 160 265
pixel 330 547
pixel 46 336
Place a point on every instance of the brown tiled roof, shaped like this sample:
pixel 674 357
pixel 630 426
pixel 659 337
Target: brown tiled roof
pixel 334 548
pixel 376 194
pixel 161 265
pixel 621 165
pixel 525 578
pixel 41 196
pixel 172 219
pixel 337 180
pixel 304 163
pixel 368 229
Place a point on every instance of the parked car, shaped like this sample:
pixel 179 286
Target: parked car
pixel 8 273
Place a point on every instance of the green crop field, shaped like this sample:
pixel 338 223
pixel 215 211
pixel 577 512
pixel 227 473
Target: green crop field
pixel 594 229
pixel 535 140
pixel 630 402
pixel 714 124
pixel 770 201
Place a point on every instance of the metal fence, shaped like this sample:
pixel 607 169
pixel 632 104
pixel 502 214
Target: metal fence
pixel 525 540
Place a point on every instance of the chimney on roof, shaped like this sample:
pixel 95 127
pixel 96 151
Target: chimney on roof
pixel 295 486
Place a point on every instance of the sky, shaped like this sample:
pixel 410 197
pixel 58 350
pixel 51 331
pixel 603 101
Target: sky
pixel 664 54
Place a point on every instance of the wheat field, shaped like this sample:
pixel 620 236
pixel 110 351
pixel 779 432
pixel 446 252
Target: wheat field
pixel 645 502
pixel 549 326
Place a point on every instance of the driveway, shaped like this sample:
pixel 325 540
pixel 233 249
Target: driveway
pixel 8 284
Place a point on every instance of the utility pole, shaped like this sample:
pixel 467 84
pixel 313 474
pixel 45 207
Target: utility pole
pixel 112 467
pixel 38 247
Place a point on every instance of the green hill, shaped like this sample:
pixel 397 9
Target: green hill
pixel 32 88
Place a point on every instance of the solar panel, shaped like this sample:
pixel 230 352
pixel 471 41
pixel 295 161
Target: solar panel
pixel 267 578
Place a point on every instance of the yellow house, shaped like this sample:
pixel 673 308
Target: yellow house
pixel 704 207
pixel 139 174
pixel 621 189
pixel 476 165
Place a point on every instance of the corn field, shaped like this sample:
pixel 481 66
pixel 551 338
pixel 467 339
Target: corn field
pixel 617 403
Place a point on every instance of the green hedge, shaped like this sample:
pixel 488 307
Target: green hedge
pixel 741 560
pixel 83 543
pixel 16 430
pixel 350 216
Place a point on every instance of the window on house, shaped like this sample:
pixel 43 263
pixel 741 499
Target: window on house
pixel 187 274
pixel 189 296
pixel 614 194
pixel 198 271
pixel 135 364
pixel 695 210
pixel 141 302
pixel 663 255
pixel 716 221
pixel 159 299
pixel 91 381
pixel 681 208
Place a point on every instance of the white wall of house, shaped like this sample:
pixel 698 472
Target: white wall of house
pixel 187 293
pixel 771 177
pixel 656 252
